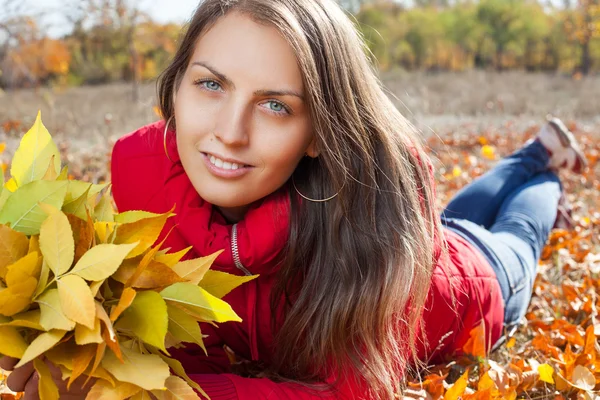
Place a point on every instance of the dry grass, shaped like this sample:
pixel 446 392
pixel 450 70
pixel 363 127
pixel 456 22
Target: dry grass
pixel 466 111
pixel 438 100
pixel 87 120
pixel 488 95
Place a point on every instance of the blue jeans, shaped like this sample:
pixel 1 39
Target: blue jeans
pixel 507 214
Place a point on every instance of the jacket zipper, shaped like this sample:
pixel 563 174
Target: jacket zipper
pixel 235 252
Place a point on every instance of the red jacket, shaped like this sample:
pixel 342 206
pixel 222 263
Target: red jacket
pixel 464 289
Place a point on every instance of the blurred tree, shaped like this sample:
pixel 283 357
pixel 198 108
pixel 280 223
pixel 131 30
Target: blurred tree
pixel 433 3
pixel 27 55
pixel 534 32
pixel 503 24
pixel 582 26
pixel 427 38
pixel 376 22
pixel 106 41
pixel 465 31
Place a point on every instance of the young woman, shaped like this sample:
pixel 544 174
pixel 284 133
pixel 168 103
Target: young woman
pixel 280 146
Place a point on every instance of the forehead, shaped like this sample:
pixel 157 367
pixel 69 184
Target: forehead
pixel 243 49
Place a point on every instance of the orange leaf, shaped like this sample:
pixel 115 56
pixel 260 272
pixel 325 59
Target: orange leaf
pixel 100 350
pixel 511 343
pixel 82 359
pixel 476 345
pixel 433 385
pixel 590 344
pixel 125 301
pixel 458 389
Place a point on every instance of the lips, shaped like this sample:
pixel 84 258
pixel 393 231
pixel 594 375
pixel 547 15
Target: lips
pixel 222 172
pixel 223 160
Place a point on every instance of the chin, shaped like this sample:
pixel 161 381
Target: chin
pixel 220 200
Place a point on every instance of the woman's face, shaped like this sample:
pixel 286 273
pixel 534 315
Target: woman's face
pixel 241 102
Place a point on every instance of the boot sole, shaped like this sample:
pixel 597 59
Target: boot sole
pixel 567 139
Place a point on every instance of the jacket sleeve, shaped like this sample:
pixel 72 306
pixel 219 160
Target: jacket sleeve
pixel 136 161
pixel 233 387
pixel 213 374
pixel 195 361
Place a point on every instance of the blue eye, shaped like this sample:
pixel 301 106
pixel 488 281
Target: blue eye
pixel 277 108
pixel 208 84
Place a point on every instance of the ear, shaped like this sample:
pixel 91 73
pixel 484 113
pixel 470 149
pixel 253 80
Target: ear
pixel 311 150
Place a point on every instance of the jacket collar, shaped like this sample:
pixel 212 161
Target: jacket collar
pixel 261 235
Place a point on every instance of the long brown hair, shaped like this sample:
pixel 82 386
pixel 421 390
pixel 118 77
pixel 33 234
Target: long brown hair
pixel 357 269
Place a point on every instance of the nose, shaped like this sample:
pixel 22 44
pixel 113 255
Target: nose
pixel 232 124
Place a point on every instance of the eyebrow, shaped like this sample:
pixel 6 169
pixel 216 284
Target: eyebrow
pixel 263 92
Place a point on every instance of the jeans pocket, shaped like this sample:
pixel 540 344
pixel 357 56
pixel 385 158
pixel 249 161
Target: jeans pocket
pixel 516 274
pixel 519 282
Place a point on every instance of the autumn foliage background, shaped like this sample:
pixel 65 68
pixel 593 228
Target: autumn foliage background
pixel 476 77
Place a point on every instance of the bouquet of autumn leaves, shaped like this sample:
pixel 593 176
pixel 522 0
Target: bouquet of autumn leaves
pixel 85 287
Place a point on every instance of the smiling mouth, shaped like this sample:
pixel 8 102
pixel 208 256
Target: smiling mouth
pixel 227 165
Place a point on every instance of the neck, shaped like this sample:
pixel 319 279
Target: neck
pixel 233 214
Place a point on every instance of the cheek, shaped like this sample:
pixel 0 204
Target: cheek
pixel 283 155
pixel 192 112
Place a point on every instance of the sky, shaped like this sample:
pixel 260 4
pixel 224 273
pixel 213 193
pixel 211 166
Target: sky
pixel 160 10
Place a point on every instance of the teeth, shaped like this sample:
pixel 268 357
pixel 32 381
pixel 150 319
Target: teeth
pixel 223 164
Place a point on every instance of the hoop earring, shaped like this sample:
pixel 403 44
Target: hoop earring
pixel 165 137
pixel 314 200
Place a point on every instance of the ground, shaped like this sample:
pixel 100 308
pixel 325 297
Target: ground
pixel 469 120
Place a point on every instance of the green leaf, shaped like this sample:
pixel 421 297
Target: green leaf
pixel 76 300
pixel 40 345
pixel 4 195
pixel 12 343
pixel 22 210
pixel 184 327
pixel 78 206
pixel 104 210
pixel 220 283
pixel 199 303
pixel 35 151
pixel 56 243
pixel 129 217
pixel 52 315
pixel 147 371
pixel 147 318
pixel 102 261
pixel 78 188
pixel 64 174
